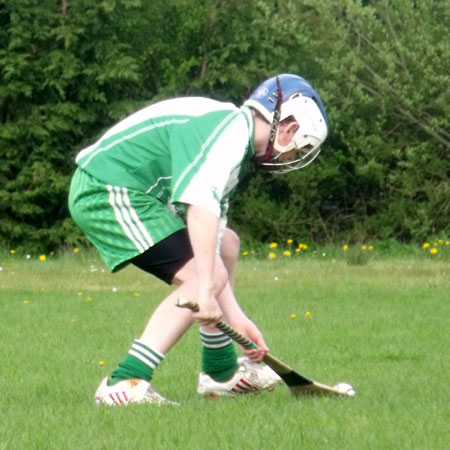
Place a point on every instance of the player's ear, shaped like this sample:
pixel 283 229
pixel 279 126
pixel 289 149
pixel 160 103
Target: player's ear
pixel 287 131
pixel 292 128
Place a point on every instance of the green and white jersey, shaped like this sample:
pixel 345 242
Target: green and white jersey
pixel 179 151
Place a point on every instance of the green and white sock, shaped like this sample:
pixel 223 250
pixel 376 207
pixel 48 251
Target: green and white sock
pixel 139 363
pixel 219 356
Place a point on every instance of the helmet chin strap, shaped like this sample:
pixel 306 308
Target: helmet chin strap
pixel 275 123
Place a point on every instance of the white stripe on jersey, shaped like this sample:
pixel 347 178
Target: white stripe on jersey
pixel 156 184
pixel 124 219
pixel 184 106
pixel 204 146
pixel 220 169
pixel 94 150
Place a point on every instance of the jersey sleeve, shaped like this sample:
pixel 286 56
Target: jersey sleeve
pixel 208 159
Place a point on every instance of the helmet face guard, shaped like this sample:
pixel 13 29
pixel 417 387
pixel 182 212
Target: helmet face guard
pixel 302 157
pixel 290 96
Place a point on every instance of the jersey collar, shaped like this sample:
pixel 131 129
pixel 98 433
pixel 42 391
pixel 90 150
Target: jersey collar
pixel 247 112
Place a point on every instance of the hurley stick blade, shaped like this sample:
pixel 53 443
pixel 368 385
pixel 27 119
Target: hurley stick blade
pixel 297 383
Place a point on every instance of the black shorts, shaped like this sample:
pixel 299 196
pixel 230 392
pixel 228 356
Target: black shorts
pixel 167 257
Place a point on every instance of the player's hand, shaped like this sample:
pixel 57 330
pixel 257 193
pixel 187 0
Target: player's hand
pixel 209 312
pixel 251 331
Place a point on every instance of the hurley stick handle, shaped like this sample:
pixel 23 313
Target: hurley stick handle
pixel 221 325
pixel 241 340
pixel 188 304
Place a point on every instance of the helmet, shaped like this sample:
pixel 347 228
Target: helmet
pixel 281 97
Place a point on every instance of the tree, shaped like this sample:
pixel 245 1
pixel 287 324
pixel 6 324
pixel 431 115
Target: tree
pixel 384 77
pixel 70 69
pixel 66 71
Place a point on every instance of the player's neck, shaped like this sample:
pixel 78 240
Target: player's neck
pixel 262 130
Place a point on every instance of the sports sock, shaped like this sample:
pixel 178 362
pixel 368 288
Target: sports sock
pixel 139 363
pixel 219 357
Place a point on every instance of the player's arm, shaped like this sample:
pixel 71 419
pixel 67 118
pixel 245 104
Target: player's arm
pixel 235 316
pixel 203 229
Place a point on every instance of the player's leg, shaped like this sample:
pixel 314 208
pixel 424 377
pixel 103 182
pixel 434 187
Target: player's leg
pixel 223 373
pixel 125 225
pixel 229 252
pixel 167 323
pixel 219 356
pixel 119 223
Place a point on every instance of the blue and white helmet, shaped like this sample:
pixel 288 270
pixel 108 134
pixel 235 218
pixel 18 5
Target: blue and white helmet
pixel 290 95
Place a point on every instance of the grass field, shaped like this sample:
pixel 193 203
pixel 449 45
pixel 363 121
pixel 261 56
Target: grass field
pixel 382 326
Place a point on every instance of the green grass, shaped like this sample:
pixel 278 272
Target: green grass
pixel 382 327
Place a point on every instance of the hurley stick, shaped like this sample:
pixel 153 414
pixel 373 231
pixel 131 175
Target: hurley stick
pixel 297 383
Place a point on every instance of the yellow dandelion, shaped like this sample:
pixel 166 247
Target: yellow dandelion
pixel 440 241
pixel 252 252
pixel 433 251
pixel 273 245
pixel 136 294
pixel 370 248
pixel 89 299
pixel 26 302
pixel 363 248
pixel 244 253
pixel 101 363
pixel 42 258
pixel 298 250
pixel 271 256
pixel 287 253
pixel 289 241
pixel 80 294
pixel 426 245
pixel 345 247
pixel 447 242
pixel 76 250
pixel 293 316
pixel 308 315
pixel 304 247
pixel 13 252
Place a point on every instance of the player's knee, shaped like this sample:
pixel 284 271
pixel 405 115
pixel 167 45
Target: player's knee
pixel 230 244
pixel 188 275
